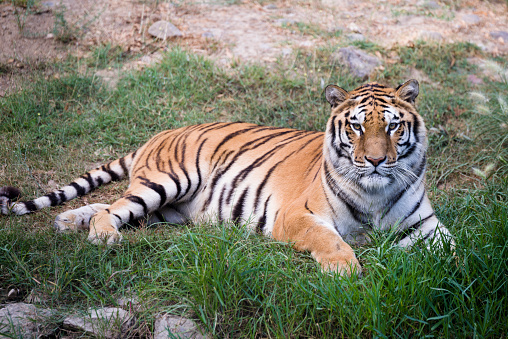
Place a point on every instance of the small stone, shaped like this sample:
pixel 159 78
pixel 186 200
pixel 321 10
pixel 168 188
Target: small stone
pixel 108 322
pixel 356 37
pixel 25 321
pixel 354 28
pixel 10 61
pixel 172 326
pixel 50 36
pixel 428 35
pixel 359 63
pixel 336 29
pixel 474 80
pixel 270 7
pixel 431 5
pixel 164 29
pixel 285 22
pixel 470 19
pixel 499 34
pixel 207 35
pixel 306 44
pixel 286 51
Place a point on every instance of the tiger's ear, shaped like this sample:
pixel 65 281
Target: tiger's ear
pixel 408 91
pixel 335 95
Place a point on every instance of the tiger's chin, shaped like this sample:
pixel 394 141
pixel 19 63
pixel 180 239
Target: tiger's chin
pixel 374 182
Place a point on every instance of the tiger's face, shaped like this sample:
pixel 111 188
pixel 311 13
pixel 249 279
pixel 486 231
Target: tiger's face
pixel 375 137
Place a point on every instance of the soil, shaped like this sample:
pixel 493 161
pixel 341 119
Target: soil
pixel 232 31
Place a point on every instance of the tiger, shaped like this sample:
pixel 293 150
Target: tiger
pixel 322 192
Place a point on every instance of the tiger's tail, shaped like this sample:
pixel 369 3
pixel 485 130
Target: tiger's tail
pixel 113 171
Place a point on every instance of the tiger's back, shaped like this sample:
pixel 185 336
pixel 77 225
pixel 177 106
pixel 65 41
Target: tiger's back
pixel 231 171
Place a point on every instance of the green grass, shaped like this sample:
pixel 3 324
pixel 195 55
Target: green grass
pixel 237 284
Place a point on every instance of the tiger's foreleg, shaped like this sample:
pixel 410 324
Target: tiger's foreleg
pixel 428 230
pixel 325 244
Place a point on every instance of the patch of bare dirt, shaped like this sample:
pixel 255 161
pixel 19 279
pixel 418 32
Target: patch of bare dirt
pixel 245 31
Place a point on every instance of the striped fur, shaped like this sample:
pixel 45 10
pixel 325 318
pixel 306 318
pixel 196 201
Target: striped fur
pixel 317 190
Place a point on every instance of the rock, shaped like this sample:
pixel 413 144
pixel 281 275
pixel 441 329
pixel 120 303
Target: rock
pixel 356 37
pixel 431 5
pixel 354 28
pixel 270 7
pixel 360 63
pixel 470 19
pixel 286 51
pixel 285 22
pixel 164 29
pixel 336 29
pixel 428 35
pixel 172 326
pixel 474 80
pixel 207 35
pixel 499 34
pixel 25 321
pixel 108 322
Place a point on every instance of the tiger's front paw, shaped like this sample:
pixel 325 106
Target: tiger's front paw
pixel 109 237
pixel 340 264
pixel 102 230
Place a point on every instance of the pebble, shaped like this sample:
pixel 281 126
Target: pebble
pixel 285 21
pixel 207 35
pixel 270 7
pixel 360 64
pixel 356 37
pixel 177 326
pixel 431 5
pixel 286 51
pixel 429 35
pixel 163 29
pixel 499 34
pixel 470 19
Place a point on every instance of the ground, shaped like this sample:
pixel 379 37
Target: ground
pixel 232 31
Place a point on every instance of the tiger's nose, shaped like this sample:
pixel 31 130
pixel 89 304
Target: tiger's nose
pixel 375 161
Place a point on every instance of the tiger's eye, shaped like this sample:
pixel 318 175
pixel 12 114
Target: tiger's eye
pixel 393 126
pixel 357 127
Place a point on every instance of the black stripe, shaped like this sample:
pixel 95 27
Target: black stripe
pixel 79 189
pixel 198 155
pixel 229 137
pixel 89 179
pixel 221 203
pixel 402 234
pixel 139 201
pixel 262 222
pixel 131 217
pixel 122 164
pixel 62 196
pixel 238 210
pixel 53 198
pixel 99 181
pixel 354 210
pixel 429 234
pixel 157 188
pixel 114 176
pixel 30 205
pixel 118 217
pixel 307 207
pixel 415 207
pixel 159 216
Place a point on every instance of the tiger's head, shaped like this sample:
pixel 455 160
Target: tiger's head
pixel 375 137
